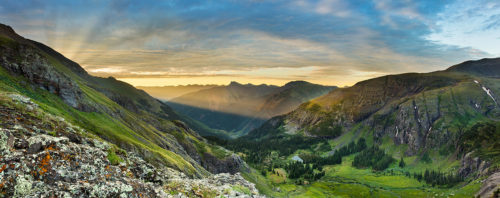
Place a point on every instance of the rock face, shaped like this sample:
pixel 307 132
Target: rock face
pixel 491 186
pixel 473 165
pixel 25 61
pixel 231 164
pixel 51 158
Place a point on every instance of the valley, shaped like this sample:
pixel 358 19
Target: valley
pixel 237 108
pixel 65 132
pixel 444 122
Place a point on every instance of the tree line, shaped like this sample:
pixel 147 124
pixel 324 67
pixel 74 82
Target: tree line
pixel 438 178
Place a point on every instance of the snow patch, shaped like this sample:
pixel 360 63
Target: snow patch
pixel 488 91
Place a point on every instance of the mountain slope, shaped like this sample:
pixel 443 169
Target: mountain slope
pixel 115 111
pixel 427 119
pixel 238 108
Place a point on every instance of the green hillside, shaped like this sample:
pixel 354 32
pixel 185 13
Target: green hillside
pixel 442 125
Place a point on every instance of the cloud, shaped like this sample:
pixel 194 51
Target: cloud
pixel 469 24
pixel 279 40
pixel 325 7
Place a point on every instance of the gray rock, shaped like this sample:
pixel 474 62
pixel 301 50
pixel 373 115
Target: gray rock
pixel 490 185
pixel 35 148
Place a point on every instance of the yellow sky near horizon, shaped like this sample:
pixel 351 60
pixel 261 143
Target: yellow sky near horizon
pixel 269 76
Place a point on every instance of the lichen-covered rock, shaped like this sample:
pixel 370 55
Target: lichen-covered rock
pixel 35 162
pixel 219 185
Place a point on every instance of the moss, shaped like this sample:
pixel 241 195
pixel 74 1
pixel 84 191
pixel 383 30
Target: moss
pixel 242 189
pixel 52 133
pixel 113 158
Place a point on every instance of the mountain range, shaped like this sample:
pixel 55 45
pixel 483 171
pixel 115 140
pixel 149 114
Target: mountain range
pixel 238 108
pixel 444 120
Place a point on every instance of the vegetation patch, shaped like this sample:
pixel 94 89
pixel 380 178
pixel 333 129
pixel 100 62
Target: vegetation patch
pixel 113 158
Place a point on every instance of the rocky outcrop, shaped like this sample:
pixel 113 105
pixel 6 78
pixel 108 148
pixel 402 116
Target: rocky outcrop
pixel 24 60
pixel 490 187
pixel 231 164
pixel 231 186
pixel 471 164
pixel 50 157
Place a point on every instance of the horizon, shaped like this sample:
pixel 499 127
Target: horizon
pixel 327 42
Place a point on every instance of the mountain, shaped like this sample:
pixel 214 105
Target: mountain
pixel 444 121
pixel 169 92
pixel 487 67
pixel 239 108
pixel 62 128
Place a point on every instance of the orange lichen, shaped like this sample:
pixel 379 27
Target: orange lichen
pixel 3 168
pixel 44 164
pixel 50 148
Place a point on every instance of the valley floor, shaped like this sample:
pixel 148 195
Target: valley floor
pixel 346 181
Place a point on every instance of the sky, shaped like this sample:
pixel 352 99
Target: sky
pixel 331 42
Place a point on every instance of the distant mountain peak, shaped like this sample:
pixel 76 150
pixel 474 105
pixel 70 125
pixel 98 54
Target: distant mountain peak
pixel 234 83
pixel 296 83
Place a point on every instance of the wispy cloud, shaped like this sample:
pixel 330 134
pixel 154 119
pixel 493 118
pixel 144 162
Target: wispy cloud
pixel 470 24
pixel 324 41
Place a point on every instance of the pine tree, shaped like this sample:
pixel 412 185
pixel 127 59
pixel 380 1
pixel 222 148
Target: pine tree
pixel 402 163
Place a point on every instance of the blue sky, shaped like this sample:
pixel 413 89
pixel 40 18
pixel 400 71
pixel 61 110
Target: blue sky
pixel 256 41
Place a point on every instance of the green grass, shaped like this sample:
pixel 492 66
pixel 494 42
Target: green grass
pixel 242 189
pixel 275 178
pixel 114 158
pixel 346 181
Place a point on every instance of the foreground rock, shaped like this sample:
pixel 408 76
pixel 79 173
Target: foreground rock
pixel 491 186
pixel 44 156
